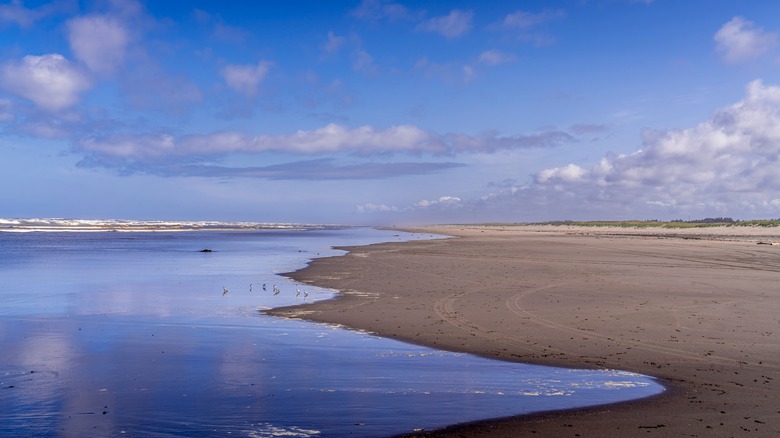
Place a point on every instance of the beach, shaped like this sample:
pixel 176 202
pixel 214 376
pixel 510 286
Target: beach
pixel 696 308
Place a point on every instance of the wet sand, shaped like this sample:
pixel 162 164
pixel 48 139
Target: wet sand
pixel 698 309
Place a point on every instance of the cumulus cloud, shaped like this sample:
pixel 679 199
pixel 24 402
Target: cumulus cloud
pixel 444 201
pixel 725 165
pixel 245 79
pixel 453 25
pixel 568 173
pixel 739 40
pixel 50 81
pixel 98 41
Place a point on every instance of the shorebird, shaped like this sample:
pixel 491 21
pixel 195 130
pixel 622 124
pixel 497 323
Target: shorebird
pixel 264 286
pixel 276 290
pixel 305 294
pixel 224 291
pixel 250 287
pixel 297 292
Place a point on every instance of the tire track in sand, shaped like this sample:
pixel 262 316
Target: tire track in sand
pixel 445 309
pixel 514 304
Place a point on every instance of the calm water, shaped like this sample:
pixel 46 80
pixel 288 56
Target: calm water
pixel 109 334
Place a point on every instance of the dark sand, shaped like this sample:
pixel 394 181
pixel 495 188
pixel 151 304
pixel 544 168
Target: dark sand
pixel 700 311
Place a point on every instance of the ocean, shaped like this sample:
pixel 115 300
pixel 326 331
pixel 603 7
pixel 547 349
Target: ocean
pixel 134 332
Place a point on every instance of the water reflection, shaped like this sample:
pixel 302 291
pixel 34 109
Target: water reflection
pixel 106 337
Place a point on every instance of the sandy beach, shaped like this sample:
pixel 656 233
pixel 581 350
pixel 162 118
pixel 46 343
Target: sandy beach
pixel 696 308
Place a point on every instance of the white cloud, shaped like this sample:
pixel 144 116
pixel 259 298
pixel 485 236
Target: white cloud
pixel 444 201
pixel 137 147
pixel 727 164
pixel 739 40
pixel 332 138
pixel 49 81
pixel 453 25
pixel 568 173
pixel 495 57
pixel 245 78
pixel 98 41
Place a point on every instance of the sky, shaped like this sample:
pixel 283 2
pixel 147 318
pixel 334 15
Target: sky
pixel 385 112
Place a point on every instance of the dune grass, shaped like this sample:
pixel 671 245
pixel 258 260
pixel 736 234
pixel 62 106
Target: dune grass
pixel 668 224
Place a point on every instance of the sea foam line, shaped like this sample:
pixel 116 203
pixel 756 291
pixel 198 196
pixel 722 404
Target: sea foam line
pixel 91 225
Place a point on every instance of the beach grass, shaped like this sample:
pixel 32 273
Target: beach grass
pixel 704 223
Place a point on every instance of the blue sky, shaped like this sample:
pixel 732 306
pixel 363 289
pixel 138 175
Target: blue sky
pixel 390 112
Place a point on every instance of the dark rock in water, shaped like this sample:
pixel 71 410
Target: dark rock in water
pixel 206 250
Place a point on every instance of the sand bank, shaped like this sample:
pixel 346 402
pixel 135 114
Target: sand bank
pixel 697 308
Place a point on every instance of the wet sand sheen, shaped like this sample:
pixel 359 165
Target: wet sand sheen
pixel 144 334
pixel 700 313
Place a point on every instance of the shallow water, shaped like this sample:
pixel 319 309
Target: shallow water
pixel 107 334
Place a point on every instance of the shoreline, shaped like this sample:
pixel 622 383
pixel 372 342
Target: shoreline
pixel 697 313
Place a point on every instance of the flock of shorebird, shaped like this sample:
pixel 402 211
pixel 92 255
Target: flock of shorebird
pixel 276 290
